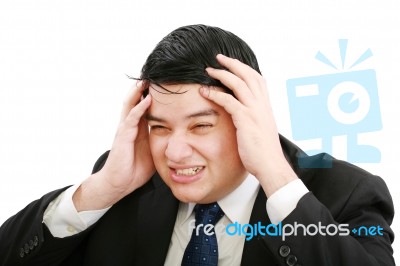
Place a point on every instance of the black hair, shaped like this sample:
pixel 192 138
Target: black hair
pixel 182 56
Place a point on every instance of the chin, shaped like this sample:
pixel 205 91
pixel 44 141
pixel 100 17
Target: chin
pixel 187 195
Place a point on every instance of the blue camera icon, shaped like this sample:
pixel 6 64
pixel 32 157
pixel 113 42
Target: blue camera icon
pixel 345 103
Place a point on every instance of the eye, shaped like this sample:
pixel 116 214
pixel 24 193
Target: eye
pixel 203 127
pixel 158 129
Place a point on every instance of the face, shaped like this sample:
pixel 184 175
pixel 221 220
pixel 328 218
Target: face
pixel 193 144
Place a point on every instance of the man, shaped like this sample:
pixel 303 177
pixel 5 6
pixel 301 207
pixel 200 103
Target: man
pixel 197 136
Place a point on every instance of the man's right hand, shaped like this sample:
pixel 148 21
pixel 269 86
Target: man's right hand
pixel 129 164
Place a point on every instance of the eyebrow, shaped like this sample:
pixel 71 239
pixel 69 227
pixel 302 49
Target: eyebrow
pixel 207 112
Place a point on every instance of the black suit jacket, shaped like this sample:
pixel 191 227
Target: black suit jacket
pixel 137 230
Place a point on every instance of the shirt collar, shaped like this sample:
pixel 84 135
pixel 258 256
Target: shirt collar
pixel 237 205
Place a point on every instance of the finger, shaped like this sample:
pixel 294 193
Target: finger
pixel 143 130
pixel 132 98
pixel 233 82
pixel 134 116
pixel 227 101
pixel 251 77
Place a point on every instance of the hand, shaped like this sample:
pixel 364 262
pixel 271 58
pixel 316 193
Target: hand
pixel 257 134
pixel 129 164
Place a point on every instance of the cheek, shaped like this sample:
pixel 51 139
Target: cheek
pixel 217 147
pixel 157 148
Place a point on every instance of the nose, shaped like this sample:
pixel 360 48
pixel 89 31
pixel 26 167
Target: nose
pixel 178 148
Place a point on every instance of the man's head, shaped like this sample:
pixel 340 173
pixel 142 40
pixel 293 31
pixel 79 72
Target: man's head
pixel 182 56
pixel 193 140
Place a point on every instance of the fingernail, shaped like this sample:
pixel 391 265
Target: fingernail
pixel 139 83
pixel 208 69
pixel 205 91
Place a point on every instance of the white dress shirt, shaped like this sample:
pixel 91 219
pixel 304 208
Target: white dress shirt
pixel 63 220
pixel 237 207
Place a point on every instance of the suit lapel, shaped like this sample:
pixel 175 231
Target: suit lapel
pixel 254 251
pixel 156 219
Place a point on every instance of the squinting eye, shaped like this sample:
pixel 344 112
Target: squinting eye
pixel 202 127
pixel 158 128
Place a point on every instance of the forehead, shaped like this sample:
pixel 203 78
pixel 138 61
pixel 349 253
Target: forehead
pixel 176 100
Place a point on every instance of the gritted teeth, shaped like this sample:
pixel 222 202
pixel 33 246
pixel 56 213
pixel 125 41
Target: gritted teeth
pixel 189 171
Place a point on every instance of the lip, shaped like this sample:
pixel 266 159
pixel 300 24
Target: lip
pixel 182 179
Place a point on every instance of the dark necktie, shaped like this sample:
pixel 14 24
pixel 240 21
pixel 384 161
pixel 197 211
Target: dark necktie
pixel 202 248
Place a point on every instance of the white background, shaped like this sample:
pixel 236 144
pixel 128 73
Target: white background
pixel 63 67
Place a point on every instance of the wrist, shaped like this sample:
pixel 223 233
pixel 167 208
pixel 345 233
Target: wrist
pixel 95 194
pixel 276 177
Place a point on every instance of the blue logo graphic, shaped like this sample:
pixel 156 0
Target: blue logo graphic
pixel 339 104
pixel 368 231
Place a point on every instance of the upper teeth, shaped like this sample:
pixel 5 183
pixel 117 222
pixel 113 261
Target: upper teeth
pixel 188 171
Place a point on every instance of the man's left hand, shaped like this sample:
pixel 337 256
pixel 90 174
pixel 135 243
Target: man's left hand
pixel 257 133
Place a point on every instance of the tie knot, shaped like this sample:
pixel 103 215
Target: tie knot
pixel 209 213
